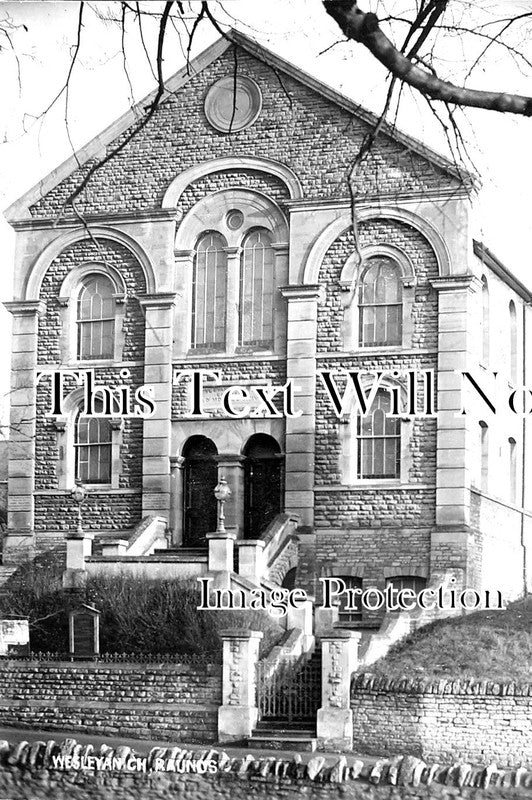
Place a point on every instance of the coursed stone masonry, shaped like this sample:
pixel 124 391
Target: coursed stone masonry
pixel 444 720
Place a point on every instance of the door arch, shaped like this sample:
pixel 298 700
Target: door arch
pixel 263 483
pixel 200 479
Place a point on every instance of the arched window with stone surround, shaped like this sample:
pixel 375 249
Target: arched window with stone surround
pixel 512 468
pixel 483 480
pixel 96 318
pixel 513 342
pixel 93 449
pixel 380 303
pixel 209 292
pixel 257 285
pixel 379 441
pixel 485 321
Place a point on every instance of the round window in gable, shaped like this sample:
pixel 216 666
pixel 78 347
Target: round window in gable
pixel 234 219
pixel 233 104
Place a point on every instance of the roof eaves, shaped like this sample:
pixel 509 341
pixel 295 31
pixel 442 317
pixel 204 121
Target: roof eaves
pixel 492 262
pixel 350 105
pixel 97 146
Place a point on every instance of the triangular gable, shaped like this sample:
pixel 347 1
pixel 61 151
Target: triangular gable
pixel 20 209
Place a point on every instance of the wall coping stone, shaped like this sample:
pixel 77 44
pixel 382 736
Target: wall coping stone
pixel 367 682
pixel 398 770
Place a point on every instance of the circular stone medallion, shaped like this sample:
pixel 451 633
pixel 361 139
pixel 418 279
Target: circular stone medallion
pixel 229 111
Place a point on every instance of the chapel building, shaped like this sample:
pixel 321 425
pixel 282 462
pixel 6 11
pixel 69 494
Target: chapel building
pixel 219 238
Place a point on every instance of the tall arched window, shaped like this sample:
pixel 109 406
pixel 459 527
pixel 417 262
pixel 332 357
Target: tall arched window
pixel 381 303
pixel 209 289
pixel 93 449
pixel 379 441
pixel 257 283
pixel 484 456
pixel 485 321
pixel 96 318
pixel 513 342
pixel 512 467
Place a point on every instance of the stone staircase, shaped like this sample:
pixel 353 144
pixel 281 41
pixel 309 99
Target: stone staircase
pixel 5 573
pixel 286 724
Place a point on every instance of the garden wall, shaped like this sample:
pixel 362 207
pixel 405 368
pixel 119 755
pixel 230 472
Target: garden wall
pixel 446 721
pixel 177 702
pixel 27 772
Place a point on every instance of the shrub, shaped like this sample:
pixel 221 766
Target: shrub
pixel 138 615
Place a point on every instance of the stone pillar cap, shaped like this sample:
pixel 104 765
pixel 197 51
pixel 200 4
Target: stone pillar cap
pixel 341 634
pixel 238 633
pixel 80 536
pixel 251 542
pixel 220 535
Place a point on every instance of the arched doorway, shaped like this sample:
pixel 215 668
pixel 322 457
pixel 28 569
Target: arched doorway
pixel 200 479
pixel 263 483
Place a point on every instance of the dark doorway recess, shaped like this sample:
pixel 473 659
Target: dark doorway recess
pixel 200 479
pixel 263 483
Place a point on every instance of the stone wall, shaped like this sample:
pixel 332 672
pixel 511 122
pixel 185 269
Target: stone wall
pixel 170 701
pixel 27 771
pixel 446 720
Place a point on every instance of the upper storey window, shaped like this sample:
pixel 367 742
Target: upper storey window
pixel 209 292
pixel 257 287
pixel 381 304
pixel 96 318
pixel 514 370
pixel 485 321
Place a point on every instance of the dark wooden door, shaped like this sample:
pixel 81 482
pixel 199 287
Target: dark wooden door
pixel 200 479
pixel 264 476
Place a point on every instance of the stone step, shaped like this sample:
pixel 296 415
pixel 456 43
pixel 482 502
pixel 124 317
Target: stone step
pixel 6 573
pixel 278 724
pixel 286 741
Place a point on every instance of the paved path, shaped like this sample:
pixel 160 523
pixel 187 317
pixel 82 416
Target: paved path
pixel 143 746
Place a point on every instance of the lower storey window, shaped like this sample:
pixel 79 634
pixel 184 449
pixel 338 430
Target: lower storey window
pixel 400 582
pixel 379 441
pixel 350 609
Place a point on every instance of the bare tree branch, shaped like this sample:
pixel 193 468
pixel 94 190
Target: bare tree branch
pixel 363 27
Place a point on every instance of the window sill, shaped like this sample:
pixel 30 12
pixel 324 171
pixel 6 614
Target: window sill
pixel 384 484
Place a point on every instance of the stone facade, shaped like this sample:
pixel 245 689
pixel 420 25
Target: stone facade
pixel 177 702
pixel 180 178
pixel 445 720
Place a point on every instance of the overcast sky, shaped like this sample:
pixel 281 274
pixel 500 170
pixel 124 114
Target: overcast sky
pixel 298 30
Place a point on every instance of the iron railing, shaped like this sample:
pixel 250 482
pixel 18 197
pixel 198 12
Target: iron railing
pixel 290 692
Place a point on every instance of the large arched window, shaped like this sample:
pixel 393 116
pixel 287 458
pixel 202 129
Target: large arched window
pixel 209 289
pixel 380 303
pixel 93 449
pixel 512 468
pixel 379 441
pixel 257 283
pixel 485 321
pixel 513 342
pixel 484 455
pixel 96 318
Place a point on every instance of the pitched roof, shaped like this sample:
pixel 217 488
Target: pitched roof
pixel 492 262
pixel 97 146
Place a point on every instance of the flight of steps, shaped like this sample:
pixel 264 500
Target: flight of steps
pixel 5 573
pixel 298 734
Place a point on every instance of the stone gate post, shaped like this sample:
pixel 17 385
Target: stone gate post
pixel 238 714
pixel 339 661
